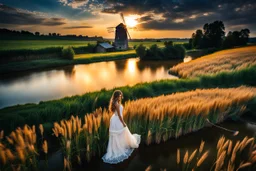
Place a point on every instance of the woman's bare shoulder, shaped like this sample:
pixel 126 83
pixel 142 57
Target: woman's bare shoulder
pixel 117 104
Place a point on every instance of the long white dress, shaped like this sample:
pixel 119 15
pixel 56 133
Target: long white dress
pixel 121 142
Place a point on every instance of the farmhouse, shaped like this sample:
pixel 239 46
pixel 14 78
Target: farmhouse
pixel 104 47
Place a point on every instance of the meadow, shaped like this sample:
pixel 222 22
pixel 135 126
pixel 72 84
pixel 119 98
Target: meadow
pixel 41 44
pixel 23 55
pixel 222 61
pixel 109 54
pixel 157 119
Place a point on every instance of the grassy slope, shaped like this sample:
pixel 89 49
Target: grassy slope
pixel 225 60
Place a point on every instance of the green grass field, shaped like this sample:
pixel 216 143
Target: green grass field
pixel 110 54
pixel 40 44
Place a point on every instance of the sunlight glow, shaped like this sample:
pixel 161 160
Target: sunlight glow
pixel 131 66
pixel 131 21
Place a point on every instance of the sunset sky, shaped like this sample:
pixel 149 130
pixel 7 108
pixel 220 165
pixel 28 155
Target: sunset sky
pixel 145 18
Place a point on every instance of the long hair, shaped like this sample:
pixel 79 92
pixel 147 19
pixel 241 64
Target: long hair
pixel 113 100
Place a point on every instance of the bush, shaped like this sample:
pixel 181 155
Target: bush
pixel 141 51
pixel 68 53
pixel 90 48
pixel 187 46
pixel 180 51
pixel 154 52
pixel 169 52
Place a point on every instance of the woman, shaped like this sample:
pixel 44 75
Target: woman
pixel 121 142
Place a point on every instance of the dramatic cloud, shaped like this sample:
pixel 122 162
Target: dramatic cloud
pixel 74 3
pixel 15 16
pixel 171 15
pixel 77 27
pixel 186 14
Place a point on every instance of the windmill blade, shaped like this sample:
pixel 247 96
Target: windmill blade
pixel 128 34
pixel 110 29
pixel 122 16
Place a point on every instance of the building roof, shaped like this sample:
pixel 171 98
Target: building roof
pixel 106 45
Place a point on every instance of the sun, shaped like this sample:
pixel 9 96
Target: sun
pixel 131 21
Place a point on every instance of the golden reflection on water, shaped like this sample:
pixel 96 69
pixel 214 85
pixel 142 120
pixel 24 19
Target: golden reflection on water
pixel 111 74
pixel 39 86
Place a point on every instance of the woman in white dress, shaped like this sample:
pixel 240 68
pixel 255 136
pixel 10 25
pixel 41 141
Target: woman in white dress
pixel 121 142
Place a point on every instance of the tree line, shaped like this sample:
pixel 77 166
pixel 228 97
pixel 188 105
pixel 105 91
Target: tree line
pixel 213 36
pixel 6 34
pixel 170 51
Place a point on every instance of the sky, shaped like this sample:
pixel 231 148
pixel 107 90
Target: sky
pixel 144 18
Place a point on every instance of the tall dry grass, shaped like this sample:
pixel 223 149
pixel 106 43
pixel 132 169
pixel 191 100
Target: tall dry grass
pixel 181 113
pixel 156 119
pixel 20 150
pixel 228 157
pixel 83 138
pixel 226 60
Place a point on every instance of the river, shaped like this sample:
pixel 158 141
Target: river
pixel 43 85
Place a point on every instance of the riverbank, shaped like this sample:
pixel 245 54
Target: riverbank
pixel 55 110
pixel 40 64
pixel 53 63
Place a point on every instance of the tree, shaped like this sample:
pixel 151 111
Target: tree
pixel 141 51
pixel 68 53
pixel 228 41
pixel 214 34
pixel 236 38
pixel 197 39
pixel 168 43
pixel 244 36
pixel 37 33
pixel 154 52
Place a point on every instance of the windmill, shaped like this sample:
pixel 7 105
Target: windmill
pixel 121 40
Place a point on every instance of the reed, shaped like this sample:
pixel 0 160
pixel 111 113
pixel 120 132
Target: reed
pixel 178 156
pixel 202 159
pixel 19 149
pixel 154 119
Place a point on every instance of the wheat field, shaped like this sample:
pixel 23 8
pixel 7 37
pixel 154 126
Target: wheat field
pixel 222 61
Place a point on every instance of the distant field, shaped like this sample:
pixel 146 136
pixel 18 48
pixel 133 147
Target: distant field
pixel 225 60
pixel 40 44
pixel 110 54
pixel 148 44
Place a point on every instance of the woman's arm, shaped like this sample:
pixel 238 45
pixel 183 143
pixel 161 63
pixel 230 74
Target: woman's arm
pixel 119 115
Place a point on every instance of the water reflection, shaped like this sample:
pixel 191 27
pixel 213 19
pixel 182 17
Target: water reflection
pixel 33 87
pixel 163 156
